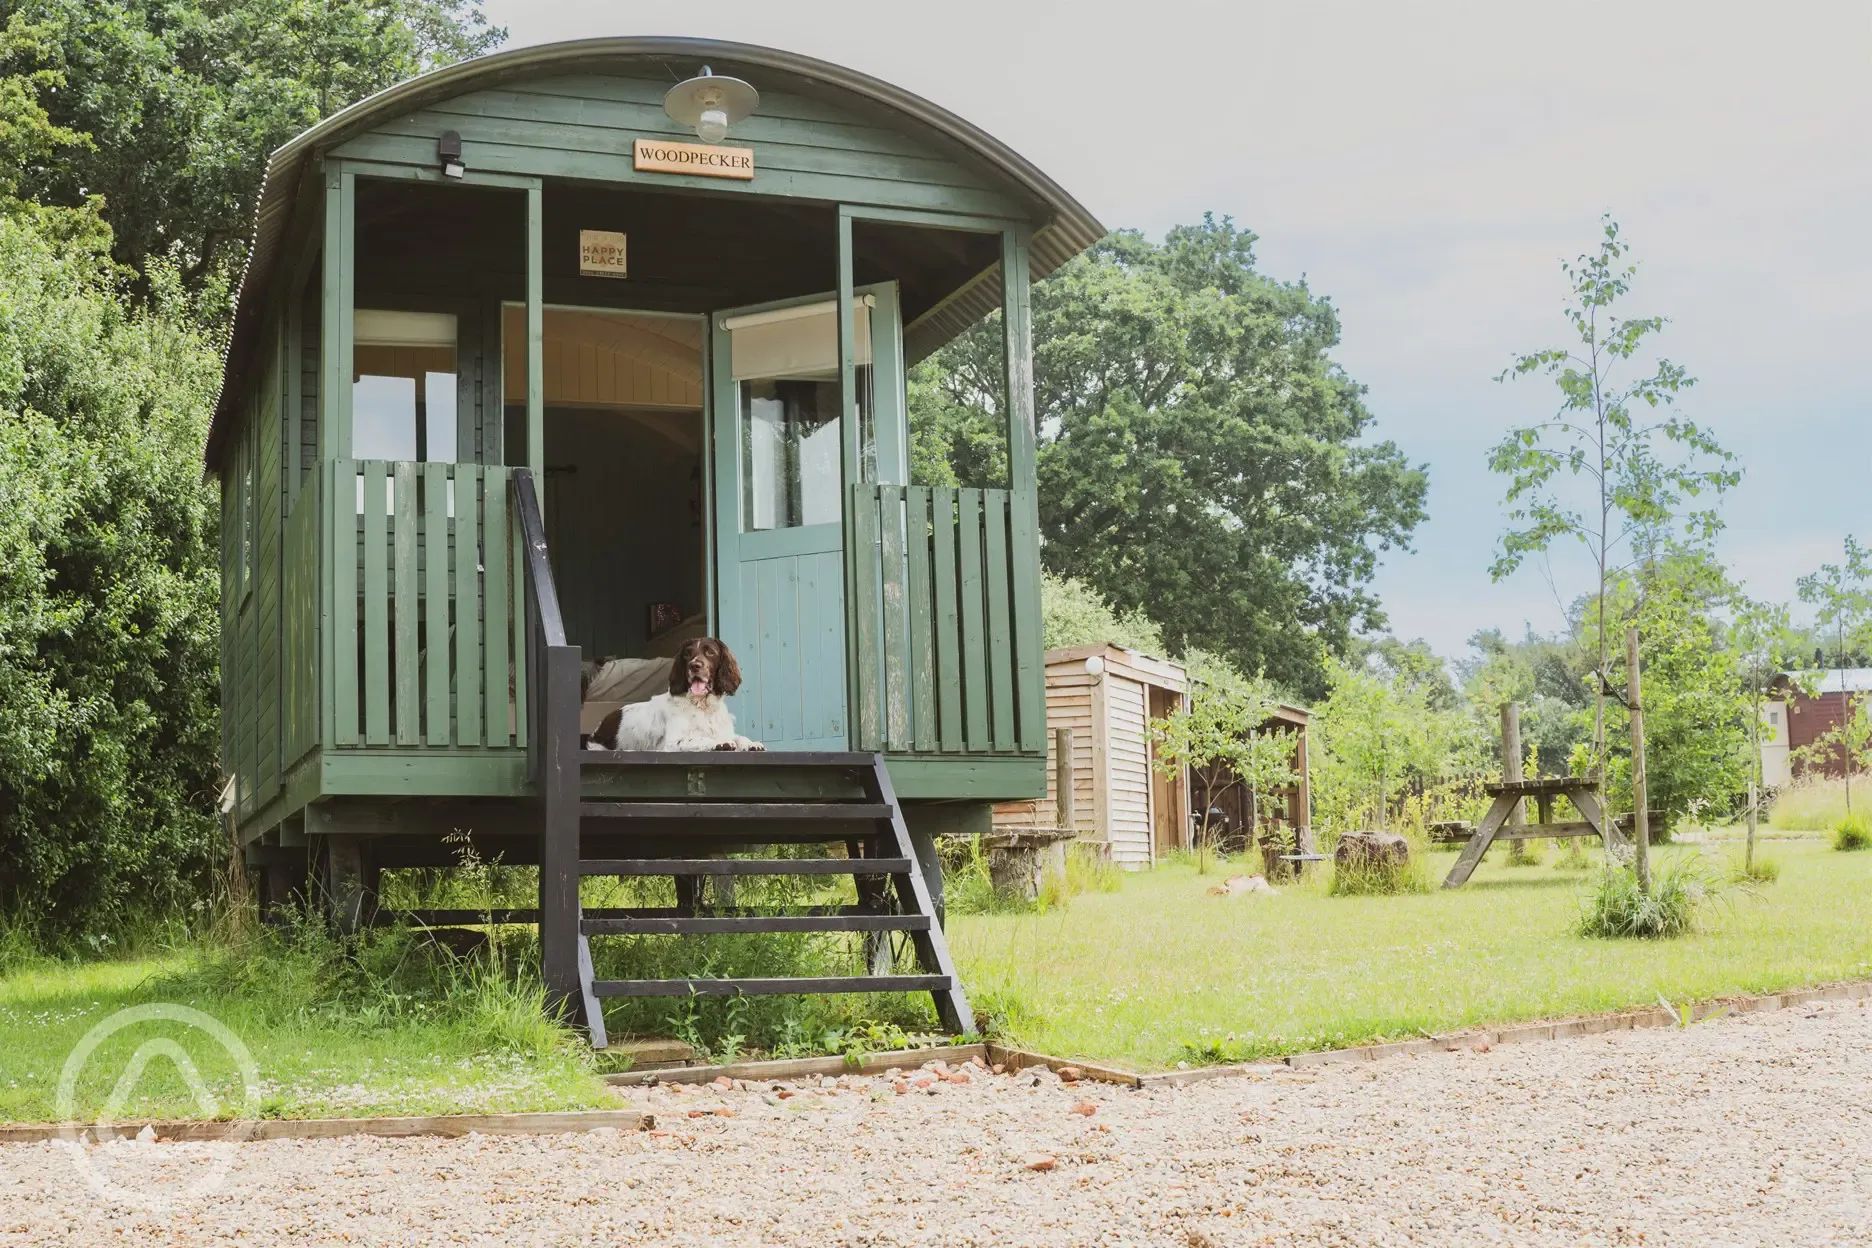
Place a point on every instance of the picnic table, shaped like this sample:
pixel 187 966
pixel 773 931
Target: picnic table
pixel 1584 794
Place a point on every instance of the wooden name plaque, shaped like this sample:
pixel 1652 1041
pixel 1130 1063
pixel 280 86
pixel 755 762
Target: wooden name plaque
pixel 700 159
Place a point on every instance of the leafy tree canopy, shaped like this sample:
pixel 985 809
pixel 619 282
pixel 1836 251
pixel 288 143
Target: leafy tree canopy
pixel 1202 458
pixel 1074 614
pixel 108 625
pixel 168 109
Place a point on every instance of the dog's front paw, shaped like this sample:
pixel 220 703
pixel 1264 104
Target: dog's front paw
pixel 727 745
pixel 754 745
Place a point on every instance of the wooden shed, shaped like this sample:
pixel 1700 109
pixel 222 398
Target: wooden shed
pixel 1106 694
pixel 548 358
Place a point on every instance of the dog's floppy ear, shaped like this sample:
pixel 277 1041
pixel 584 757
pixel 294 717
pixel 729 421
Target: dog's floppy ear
pixel 727 672
pixel 679 670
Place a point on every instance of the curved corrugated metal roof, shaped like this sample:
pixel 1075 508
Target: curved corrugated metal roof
pixel 1067 229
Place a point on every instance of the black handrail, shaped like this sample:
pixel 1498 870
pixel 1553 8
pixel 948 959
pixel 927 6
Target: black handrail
pixel 552 755
pixel 545 595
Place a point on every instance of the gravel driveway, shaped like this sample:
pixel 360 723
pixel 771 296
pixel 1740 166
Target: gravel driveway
pixel 1749 1130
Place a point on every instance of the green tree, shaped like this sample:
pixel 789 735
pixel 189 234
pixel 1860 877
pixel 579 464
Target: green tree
pixel 1696 733
pixel 181 102
pixel 1224 738
pixel 1547 676
pixel 1377 736
pixel 1202 457
pixel 1074 614
pixel 1842 608
pixel 108 586
pixel 1613 468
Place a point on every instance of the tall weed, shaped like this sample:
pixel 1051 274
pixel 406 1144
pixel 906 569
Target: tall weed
pixel 1852 832
pixel 1811 805
pixel 1617 908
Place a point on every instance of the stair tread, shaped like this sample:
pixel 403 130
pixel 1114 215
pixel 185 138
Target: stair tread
pixel 723 758
pixel 744 866
pixel 869 812
pixel 707 923
pixel 761 987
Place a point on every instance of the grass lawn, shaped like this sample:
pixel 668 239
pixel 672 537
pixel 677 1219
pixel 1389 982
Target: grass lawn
pixel 1159 972
pixel 1153 974
pixel 314 1059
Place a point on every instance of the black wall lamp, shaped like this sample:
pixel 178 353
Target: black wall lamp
pixel 448 151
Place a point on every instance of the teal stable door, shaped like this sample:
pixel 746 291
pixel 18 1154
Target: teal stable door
pixel 779 500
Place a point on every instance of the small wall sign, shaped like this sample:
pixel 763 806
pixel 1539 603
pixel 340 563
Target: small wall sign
pixel 601 253
pixel 700 159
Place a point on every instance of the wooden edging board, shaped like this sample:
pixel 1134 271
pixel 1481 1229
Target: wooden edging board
pixel 332 1128
pixel 800 1067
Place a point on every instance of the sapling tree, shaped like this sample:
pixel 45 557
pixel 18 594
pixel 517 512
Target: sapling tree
pixel 1766 644
pixel 1222 736
pixel 1843 607
pixel 1616 463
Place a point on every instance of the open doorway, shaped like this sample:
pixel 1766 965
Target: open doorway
pixel 623 488
pixel 1170 817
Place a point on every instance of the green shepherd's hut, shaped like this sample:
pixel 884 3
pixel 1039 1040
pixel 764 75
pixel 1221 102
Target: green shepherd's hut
pixel 550 360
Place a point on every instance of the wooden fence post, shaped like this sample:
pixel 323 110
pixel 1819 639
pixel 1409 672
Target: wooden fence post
pixel 1641 808
pixel 1511 774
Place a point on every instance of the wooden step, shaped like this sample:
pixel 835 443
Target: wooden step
pixel 744 866
pixel 844 812
pixel 769 987
pixel 717 924
pixel 721 758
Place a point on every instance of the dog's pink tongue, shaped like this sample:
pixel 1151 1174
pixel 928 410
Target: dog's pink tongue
pixel 698 688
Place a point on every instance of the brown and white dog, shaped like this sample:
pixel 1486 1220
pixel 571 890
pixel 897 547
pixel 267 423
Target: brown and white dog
pixel 691 716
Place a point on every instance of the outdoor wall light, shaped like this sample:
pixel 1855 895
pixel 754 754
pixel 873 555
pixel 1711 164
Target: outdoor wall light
pixel 1095 666
pixel 448 151
pixel 710 104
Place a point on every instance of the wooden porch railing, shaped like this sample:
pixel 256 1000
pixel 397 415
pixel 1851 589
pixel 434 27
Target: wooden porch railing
pixel 426 640
pixel 947 615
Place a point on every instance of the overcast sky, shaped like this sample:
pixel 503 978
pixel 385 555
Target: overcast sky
pixel 1427 166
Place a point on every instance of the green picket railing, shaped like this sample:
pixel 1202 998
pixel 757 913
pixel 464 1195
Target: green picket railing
pixel 947 637
pixel 425 644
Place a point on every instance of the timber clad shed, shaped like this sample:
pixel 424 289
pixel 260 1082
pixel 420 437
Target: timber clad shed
pixel 1106 694
pixel 527 385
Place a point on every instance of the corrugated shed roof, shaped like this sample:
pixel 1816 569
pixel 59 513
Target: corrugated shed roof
pixel 1827 679
pixel 1067 229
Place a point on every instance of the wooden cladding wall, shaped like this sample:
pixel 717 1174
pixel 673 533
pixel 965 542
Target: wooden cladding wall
pixel 947 610
pixel 1128 820
pixel 584 126
pixel 426 645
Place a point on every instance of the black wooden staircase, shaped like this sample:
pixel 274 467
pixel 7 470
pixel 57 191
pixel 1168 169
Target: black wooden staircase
pixel 678 815
pixel 877 852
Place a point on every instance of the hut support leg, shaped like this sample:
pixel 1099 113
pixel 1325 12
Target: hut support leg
pixel 350 883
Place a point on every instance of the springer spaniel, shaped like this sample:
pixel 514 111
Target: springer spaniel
pixel 691 716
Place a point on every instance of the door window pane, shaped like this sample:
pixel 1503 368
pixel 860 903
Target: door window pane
pixel 785 365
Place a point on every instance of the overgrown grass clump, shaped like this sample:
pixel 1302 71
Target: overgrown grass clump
pixel 1810 805
pixel 1618 908
pixel 1852 832
pixel 1759 870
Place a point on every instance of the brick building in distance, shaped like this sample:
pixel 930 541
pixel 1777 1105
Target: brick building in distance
pixel 1796 720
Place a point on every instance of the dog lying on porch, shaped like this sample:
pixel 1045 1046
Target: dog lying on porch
pixel 691 716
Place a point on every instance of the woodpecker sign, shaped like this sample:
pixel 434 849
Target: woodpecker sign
pixel 701 159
